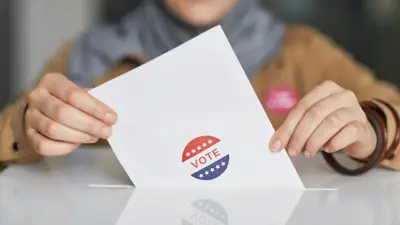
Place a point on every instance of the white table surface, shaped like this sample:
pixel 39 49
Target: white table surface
pixel 57 191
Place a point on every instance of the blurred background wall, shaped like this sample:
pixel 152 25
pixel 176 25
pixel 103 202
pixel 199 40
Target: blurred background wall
pixel 5 51
pixel 40 27
pixel 32 30
pixel 368 29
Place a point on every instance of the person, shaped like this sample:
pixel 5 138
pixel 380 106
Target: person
pixel 316 95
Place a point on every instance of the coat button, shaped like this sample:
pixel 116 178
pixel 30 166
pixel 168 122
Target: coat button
pixel 15 146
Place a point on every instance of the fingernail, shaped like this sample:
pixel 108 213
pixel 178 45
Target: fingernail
pixel 106 132
pixel 307 154
pixel 276 145
pixel 327 150
pixel 111 118
pixel 94 140
pixel 292 151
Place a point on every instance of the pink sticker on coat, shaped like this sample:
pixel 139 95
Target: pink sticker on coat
pixel 281 99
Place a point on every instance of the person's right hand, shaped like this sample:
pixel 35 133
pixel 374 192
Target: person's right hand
pixel 61 116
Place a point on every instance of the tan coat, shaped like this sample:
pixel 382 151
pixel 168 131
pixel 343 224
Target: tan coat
pixel 306 59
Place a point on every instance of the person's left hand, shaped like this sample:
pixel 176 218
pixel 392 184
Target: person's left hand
pixel 328 118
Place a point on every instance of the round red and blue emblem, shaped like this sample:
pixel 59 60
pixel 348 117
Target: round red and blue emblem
pixel 205 158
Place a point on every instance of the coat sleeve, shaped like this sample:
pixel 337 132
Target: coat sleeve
pixel 320 59
pixel 14 147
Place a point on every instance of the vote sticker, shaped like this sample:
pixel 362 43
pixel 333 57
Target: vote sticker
pixel 204 157
pixel 281 100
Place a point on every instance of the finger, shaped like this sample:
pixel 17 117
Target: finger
pixel 56 131
pixel 48 147
pixel 329 127
pixel 73 95
pixel 344 138
pixel 284 132
pixel 314 116
pixel 73 118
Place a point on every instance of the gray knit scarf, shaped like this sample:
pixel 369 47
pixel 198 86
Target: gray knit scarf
pixel 152 30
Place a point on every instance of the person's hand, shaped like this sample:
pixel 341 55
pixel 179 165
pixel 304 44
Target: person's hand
pixel 61 116
pixel 328 118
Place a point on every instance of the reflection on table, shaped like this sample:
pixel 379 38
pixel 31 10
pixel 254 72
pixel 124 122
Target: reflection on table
pixel 59 191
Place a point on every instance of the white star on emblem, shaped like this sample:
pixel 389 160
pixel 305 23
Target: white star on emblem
pixel 222 216
pixel 206 173
pixel 211 210
pixel 209 141
pixel 217 167
pixel 201 175
pixel 204 144
pixel 198 148
pixel 223 164
pixel 188 154
pixel 212 169
pixel 193 151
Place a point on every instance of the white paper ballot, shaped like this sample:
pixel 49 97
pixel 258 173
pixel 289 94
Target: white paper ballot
pixel 191 119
